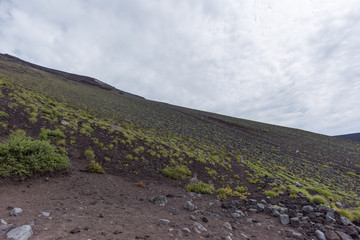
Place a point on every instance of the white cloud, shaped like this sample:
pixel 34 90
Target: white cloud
pixel 292 63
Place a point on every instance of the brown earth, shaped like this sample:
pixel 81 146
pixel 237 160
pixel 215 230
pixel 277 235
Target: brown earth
pixel 112 207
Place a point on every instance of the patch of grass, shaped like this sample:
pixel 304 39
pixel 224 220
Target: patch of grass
pixel 241 189
pixel 271 194
pixel 318 200
pixel 3 114
pixel 129 157
pixel 177 172
pixel 87 127
pixel 200 187
pixel 94 167
pixel 107 159
pixel 346 213
pixel 47 134
pixel 89 154
pixel 224 192
pixel 24 156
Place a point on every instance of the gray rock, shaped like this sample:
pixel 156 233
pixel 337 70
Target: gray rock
pixel 307 209
pixel 331 235
pixel 330 214
pixel 16 212
pixel 186 231
pixel 345 221
pixel 228 238
pixel 20 233
pixel 163 221
pixel 5 228
pixel 260 207
pixel 330 219
pixel 298 184
pixel 3 222
pixel 238 214
pixel 343 235
pixel 339 204
pixel 200 227
pixel 283 210
pixel 189 206
pixel 295 222
pixel 284 219
pixel 63 122
pixel 192 217
pixel 159 200
pixel 227 225
pixel 320 235
pixel 252 201
pixel 45 214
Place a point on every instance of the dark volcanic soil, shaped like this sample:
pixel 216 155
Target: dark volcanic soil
pixel 110 207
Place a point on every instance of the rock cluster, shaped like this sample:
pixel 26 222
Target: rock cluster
pixel 19 233
pixel 309 220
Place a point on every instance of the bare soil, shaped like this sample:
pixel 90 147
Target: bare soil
pixel 114 207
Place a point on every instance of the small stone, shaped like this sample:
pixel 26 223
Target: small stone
pixel 75 230
pixel 3 222
pixel 343 235
pixel 345 221
pixel 296 234
pixel 228 226
pixel 331 235
pixel 163 221
pixel 186 231
pixel 20 233
pixel 192 217
pixel 204 219
pixel 339 204
pixel 200 227
pixel 16 212
pixel 307 209
pixel 228 238
pixel 260 207
pixel 298 184
pixel 45 214
pixel 63 122
pixel 352 232
pixel 189 206
pixel 283 210
pixel 5 228
pixel 159 200
pixel 284 219
pixel 320 235
pixel 238 214
pixel 295 222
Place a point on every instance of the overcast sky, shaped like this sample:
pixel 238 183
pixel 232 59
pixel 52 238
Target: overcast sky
pixel 292 63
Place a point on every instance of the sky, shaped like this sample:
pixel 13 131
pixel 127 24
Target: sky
pixel 290 63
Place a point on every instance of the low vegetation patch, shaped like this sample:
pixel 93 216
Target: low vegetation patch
pixel 177 172
pixel 319 200
pixel 89 154
pixel 200 187
pixel 94 167
pixel 47 134
pixel 23 156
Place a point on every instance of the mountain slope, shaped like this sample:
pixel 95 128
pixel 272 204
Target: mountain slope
pixel 141 139
pixel 352 137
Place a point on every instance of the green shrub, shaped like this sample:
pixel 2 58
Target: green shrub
pixel 89 154
pixel 346 213
pixel 107 159
pixel 94 167
pixel 19 133
pixel 318 200
pixel 271 194
pixel 224 192
pixel 3 114
pixel 241 189
pixel 200 187
pixel 129 157
pixel 24 156
pixel 177 172
pixel 47 134
pixel 87 127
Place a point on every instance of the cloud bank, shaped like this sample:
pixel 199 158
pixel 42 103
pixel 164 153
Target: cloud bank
pixel 291 63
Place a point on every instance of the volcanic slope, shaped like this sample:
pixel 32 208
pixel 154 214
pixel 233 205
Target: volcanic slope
pixel 132 137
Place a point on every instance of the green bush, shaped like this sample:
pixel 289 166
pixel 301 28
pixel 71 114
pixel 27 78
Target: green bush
pixel 200 187
pixel 271 194
pixel 24 156
pixel 177 172
pixel 318 200
pixel 47 134
pixel 89 154
pixel 87 127
pixel 3 114
pixel 94 167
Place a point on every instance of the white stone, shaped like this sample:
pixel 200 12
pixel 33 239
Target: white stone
pixel 16 212
pixel 20 233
